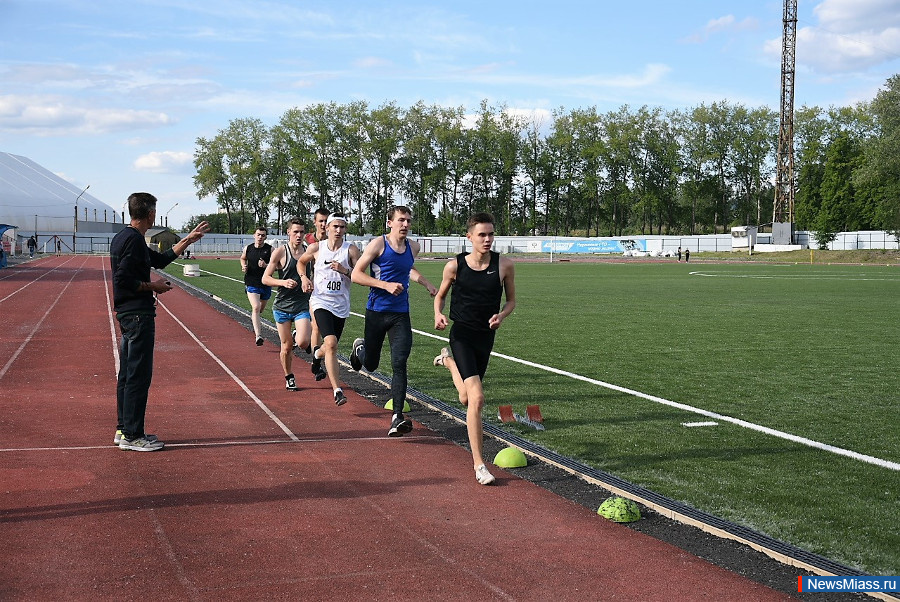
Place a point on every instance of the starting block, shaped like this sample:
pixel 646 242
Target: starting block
pixel 533 417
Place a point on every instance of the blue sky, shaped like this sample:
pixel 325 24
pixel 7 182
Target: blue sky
pixel 113 94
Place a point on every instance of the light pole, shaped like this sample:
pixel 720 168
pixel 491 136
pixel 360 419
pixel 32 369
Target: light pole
pixel 168 212
pixel 75 231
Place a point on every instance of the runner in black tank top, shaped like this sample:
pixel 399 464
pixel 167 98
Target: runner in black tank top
pixel 478 279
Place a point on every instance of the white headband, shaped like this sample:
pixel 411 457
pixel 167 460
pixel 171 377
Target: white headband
pixel 333 217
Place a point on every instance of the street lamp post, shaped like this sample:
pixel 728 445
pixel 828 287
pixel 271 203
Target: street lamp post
pixel 75 231
pixel 168 212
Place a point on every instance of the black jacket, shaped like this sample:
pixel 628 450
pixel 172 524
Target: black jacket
pixel 131 260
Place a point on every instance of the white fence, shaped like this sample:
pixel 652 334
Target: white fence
pixel 233 244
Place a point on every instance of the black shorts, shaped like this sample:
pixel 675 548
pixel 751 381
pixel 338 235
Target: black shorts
pixel 471 350
pixel 329 324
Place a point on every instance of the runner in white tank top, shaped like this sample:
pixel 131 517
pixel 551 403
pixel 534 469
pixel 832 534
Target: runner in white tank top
pixel 330 300
pixel 331 287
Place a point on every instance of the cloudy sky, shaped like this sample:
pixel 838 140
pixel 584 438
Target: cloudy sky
pixel 113 94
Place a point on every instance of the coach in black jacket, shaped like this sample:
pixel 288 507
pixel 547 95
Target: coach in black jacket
pixel 134 297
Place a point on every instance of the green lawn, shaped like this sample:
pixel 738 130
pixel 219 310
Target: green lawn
pixel 810 350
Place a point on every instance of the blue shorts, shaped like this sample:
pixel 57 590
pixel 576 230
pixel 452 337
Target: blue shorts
pixel 282 317
pixel 264 292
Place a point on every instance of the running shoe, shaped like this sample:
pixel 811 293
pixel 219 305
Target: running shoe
pixel 259 341
pixel 439 360
pixel 359 347
pixel 141 444
pixel 483 476
pixel 339 397
pixel 400 426
pixel 120 437
pixel 316 365
pixel 290 384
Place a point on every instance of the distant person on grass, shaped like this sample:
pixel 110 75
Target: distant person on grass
pixel 134 298
pixel 291 308
pixel 478 280
pixel 254 260
pixel 334 259
pixel 391 258
pixel 320 217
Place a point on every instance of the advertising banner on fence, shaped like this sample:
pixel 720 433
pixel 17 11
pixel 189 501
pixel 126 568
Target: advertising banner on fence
pixel 587 245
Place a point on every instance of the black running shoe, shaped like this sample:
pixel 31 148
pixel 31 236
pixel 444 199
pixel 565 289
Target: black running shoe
pixel 321 374
pixel 400 426
pixel 359 346
pixel 339 398
pixel 316 365
pixel 259 341
pixel 290 384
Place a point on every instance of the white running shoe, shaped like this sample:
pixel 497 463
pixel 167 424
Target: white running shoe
pixel 483 476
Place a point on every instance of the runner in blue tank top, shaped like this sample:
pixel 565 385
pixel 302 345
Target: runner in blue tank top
pixel 391 258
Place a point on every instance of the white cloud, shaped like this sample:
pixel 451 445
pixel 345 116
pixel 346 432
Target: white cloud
pixel 851 36
pixel 728 24
pixel 165 162
pixel 852 16
pixel 60 116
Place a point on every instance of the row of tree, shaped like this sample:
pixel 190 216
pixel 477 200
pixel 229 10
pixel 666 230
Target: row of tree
pixel 623 172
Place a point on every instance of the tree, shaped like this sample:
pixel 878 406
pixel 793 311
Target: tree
pixel 879 175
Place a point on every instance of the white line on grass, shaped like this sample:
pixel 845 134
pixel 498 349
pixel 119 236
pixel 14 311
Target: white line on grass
pixel 792 277
pixel 687 408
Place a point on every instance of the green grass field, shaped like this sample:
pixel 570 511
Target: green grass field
pixel 809 350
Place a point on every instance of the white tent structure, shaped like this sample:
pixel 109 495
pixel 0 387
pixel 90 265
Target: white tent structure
pixel 35 200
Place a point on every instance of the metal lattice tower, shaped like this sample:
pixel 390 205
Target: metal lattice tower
pixel 784 178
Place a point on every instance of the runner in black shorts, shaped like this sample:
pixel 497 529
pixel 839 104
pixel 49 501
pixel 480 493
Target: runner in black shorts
pixel 479 280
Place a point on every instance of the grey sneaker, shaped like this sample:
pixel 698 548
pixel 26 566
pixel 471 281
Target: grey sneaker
pixel 141 444
pixel 359 346
pixel 339 397
pixel 400 426
pixel 483 476
pixel 289 383
pixel 444 354
pixel 120 437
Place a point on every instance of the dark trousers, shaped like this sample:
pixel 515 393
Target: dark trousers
pixel 398 328
pixel 135 372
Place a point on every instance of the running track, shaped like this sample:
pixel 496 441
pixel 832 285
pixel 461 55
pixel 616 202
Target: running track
pixel 263 493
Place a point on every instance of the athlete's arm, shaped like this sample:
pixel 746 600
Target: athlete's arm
pixel 268 279
pixel 508 277
pixel 311 254
pixel 244 260
pixel 373 250
pixel 447 280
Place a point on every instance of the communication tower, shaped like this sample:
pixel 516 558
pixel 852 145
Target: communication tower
pixel 783 210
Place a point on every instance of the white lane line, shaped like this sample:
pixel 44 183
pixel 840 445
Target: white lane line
pixel 392 440
pixel 112 322
pixel 694 410
pixel 37 325
pixel 27 284
pixel 696 424
pixel 233 376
